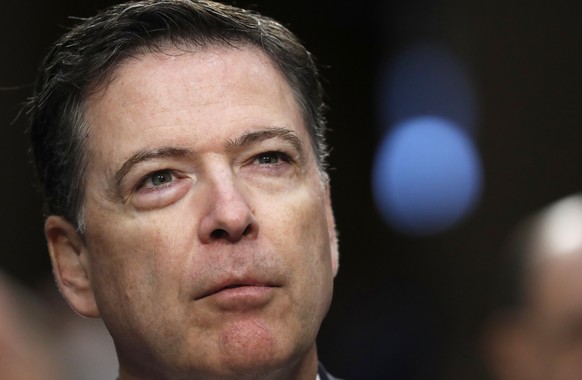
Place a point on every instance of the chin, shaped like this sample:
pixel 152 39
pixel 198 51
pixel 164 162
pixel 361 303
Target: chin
pixel 255 351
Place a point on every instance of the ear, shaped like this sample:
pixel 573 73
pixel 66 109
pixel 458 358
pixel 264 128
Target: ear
pixel 71 266
pixel 333 240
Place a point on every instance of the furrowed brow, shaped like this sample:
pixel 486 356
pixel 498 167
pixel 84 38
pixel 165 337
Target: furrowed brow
pixel 255 137
pixel 148 155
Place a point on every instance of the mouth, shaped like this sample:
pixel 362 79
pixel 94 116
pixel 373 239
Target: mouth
pixel 239 297
pixel 234 288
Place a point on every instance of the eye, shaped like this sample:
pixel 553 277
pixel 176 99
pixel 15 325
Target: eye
pixel 160 188
pixel 271 158
pixel 157 179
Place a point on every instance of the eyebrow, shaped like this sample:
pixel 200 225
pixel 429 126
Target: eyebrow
pixel 147 155
pixel 254 137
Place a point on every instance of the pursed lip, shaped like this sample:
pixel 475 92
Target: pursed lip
pixel 235 285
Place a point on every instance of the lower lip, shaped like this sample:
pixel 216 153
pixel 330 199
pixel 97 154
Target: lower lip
pixel 242 297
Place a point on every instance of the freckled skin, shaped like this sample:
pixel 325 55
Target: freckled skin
pixel 152 254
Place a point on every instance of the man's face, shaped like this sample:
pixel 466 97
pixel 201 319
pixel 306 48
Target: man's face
pixel 209 240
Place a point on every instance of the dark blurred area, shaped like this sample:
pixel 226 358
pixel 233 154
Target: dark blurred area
pixel 405 307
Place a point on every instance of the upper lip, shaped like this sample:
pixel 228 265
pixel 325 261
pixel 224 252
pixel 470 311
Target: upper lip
pixel 233 283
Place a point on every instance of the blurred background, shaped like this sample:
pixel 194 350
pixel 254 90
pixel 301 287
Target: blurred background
pixel 450 122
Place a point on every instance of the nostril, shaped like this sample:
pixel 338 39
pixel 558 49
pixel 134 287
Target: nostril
pixel 248 230
pixel 218 234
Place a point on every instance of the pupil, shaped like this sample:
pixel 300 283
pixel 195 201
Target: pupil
pixel 160 178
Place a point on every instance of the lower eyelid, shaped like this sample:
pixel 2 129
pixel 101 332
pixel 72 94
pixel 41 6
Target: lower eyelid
pixel 161 187
pixel 161 196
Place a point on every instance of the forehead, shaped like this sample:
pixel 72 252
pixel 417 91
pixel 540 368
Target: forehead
pixel 192 91
pixel 190 69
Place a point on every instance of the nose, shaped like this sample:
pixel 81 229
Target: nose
pixel 228 216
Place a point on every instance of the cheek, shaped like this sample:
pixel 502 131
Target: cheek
pixel 299 219
pixel 298 229
pixel 310 219
pixel 123 237
pixel 133 258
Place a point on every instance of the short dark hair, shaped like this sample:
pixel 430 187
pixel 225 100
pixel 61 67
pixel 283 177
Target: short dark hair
pixel 84 60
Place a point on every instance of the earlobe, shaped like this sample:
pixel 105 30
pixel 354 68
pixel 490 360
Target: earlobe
pixel 333 238
pixel 71 265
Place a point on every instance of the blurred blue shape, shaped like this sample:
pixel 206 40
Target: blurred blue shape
pixel 425 79
pixel 426 176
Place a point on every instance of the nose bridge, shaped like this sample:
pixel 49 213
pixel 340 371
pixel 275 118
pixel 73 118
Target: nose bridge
pixel 229 215
pixel 228 195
